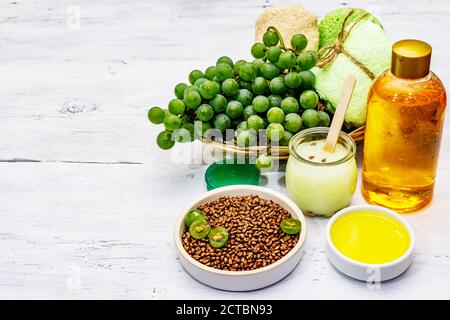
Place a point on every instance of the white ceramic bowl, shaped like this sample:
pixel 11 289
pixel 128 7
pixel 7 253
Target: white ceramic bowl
pixel 364 271
pixel 241 280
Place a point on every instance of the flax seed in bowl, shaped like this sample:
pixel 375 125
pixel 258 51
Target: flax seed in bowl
pixel 257 253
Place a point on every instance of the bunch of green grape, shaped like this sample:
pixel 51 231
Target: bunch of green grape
pixel 274 92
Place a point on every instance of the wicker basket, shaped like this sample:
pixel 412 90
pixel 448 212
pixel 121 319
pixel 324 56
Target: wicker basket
pixel 278 152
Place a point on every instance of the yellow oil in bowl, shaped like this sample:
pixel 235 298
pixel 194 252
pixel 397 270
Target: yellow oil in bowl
pixel 370 237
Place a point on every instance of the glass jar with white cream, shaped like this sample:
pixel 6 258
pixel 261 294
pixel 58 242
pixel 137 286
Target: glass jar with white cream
pixel 320 182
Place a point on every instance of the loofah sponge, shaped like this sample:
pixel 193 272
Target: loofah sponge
pixel 289 20
pixel 367 43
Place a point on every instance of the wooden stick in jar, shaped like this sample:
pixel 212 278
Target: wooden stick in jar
pixel 339 114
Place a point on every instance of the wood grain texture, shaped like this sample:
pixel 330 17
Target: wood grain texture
pixel 87 200
pixel 339 114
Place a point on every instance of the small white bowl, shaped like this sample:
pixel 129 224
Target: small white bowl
pixel 365 271
pixel 241 280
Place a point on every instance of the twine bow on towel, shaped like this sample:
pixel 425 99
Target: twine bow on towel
pixel 327 54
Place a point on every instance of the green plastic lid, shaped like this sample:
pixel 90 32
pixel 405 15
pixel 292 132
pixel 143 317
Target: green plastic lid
pixel 229 172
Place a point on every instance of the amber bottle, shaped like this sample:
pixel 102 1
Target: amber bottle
pixel 405 116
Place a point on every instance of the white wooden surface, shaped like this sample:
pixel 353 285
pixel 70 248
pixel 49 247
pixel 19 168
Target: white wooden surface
pixel 87 200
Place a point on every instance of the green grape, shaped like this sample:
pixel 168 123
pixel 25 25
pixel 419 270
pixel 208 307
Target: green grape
pixel 204 112
pixel 309 99
pixel 223 72
pixel 194 75
pixel 264 163
pixel 273 54
pixel 179 90
pixel 246 138
pixel 225 59
pixel 238 65
pixel 260 104
pixel 199 229
pixel 156 115
pixel 258 50
pixel 293 80
pixel 277 86
pixel 299 42
pixel 200 128
pixel 176 106
pixel 219 102
pixel 193 216
pixel 208 89
pixel 330 108
pixel 324 119
pixel 181 135
pixel 275 131
pixel 289 105
pixel 248 71
pixel 189 127
pixel 270 38
pixel 296 68
pixel 291 226
pixel 245 84
pixel 292 122
pixel 199 81
pixel 278 65
pixel 275 115
pixel 192 99
pixel 244 96
pixel 255 122
pixel 275 101
pixel 269 71
pixel 308 79
pixel 287 60
pixel 218 237
pixel 222 122
pixel 164 140
pixel 189 89
pixel 310 118
pixel 287 136
pixel 234 109
pixel 258 63
pixel 248 112
pixel 172 122
pixel 242 126
pixel 307 60
pixel 184 119
pixel 230 87
pixel 259 85
pixel 210 72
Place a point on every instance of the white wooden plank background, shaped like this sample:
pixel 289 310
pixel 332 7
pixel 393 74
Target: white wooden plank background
pixel 87 200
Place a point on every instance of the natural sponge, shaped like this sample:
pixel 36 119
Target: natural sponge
pixel 289 20
pixel 368 44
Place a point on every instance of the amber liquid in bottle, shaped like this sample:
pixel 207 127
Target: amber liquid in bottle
pixel 402 139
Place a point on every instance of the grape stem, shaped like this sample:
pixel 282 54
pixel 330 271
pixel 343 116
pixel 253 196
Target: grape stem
pixel 274 29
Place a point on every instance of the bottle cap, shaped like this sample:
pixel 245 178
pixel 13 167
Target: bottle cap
pixel 230 172
pixel 411 59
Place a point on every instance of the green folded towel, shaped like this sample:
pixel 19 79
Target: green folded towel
pixel 367 43
pixel 331 24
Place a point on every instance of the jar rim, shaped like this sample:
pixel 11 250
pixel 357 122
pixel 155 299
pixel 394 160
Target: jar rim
pixel 349 144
